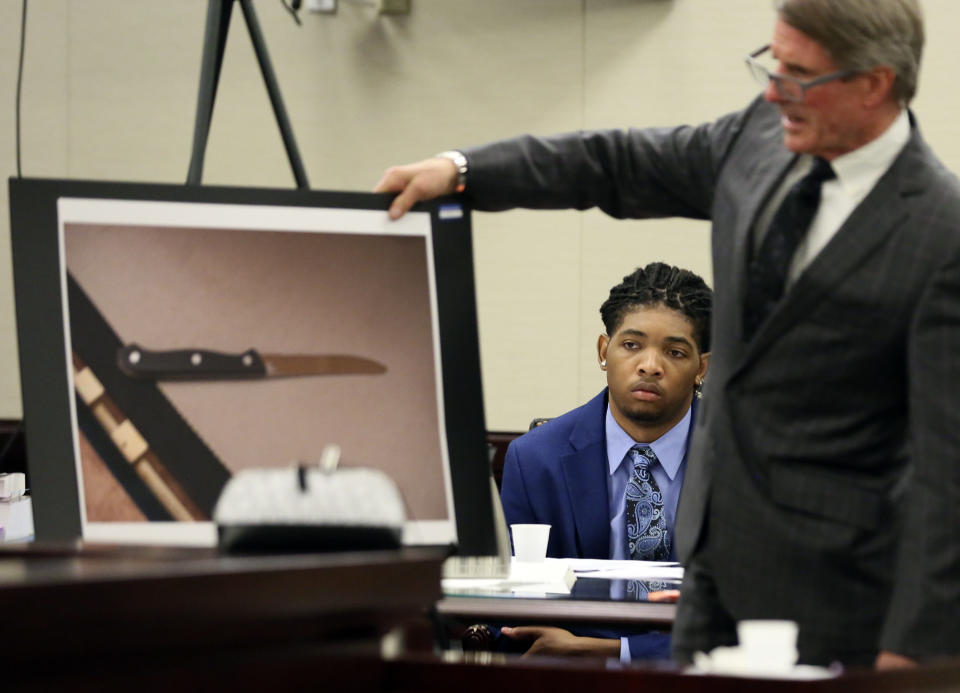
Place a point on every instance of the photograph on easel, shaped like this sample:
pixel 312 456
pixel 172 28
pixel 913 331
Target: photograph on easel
pixel 200 351
pixel 179 342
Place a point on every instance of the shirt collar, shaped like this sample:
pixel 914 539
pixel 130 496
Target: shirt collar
pixel 669 448
pixel 858 171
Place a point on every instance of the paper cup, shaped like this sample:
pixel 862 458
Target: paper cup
pixel 768 645
pixel 530 542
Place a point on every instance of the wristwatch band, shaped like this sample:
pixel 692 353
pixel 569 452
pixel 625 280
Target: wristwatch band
pixel 460 161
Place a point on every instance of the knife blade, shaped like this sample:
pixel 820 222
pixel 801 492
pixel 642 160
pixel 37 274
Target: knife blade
pixel 204 364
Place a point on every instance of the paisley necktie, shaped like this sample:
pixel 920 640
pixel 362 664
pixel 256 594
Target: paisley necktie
pixel 648 538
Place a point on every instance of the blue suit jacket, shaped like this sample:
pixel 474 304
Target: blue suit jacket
pixel 557 475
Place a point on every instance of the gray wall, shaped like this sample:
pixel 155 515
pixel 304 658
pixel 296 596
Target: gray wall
pixel 110 89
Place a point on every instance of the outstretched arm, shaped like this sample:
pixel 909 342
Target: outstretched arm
pixel 655 172
pixel 423 180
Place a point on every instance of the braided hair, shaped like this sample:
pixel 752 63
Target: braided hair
pixel 659 284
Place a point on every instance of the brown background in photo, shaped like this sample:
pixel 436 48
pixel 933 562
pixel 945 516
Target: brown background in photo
pixel 104 498
pixel 283 292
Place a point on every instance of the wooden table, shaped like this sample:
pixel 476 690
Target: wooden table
pixel 84 609
pixel 84 617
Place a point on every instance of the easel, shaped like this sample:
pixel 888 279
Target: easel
pixel 214 43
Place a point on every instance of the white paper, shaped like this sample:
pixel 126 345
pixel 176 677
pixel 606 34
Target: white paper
pixel 629 570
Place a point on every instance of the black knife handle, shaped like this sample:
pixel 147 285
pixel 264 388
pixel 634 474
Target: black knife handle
pixel 188 364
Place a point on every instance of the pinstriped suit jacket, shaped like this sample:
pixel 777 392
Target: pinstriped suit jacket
pixel 824 473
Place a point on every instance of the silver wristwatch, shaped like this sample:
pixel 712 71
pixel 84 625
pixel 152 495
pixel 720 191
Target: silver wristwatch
pixel 460 161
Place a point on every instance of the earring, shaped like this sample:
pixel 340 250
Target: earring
pixel 698 387
pixel 603 364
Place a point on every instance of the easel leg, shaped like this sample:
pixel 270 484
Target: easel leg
pixel 214 45
pixel 270 79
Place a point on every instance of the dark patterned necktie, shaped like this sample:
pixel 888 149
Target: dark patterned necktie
pixel 767 274
pixel 647 536
pixel 638 590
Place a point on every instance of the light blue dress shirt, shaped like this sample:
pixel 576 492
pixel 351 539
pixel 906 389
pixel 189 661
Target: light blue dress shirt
pixel 670 449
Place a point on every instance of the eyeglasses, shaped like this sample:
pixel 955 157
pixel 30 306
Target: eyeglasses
pixel 789 88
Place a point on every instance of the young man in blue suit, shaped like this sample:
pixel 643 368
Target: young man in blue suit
pixel 578 473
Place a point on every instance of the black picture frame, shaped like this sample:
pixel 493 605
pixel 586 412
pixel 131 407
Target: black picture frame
pixel 39 287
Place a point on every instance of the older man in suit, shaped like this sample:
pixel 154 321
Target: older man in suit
pixel 606 476
pixel 824 476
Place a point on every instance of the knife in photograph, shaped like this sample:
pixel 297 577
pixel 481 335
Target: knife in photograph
pixel 203 364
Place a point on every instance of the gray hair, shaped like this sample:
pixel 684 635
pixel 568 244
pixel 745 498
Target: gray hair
pixel 862 34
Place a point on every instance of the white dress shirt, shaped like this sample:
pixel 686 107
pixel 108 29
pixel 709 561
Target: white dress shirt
pixel 857 173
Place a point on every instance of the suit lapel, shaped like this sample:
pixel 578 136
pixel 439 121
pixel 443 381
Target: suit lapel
pixel 763 168
pixel 585 474
pixel 867 227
